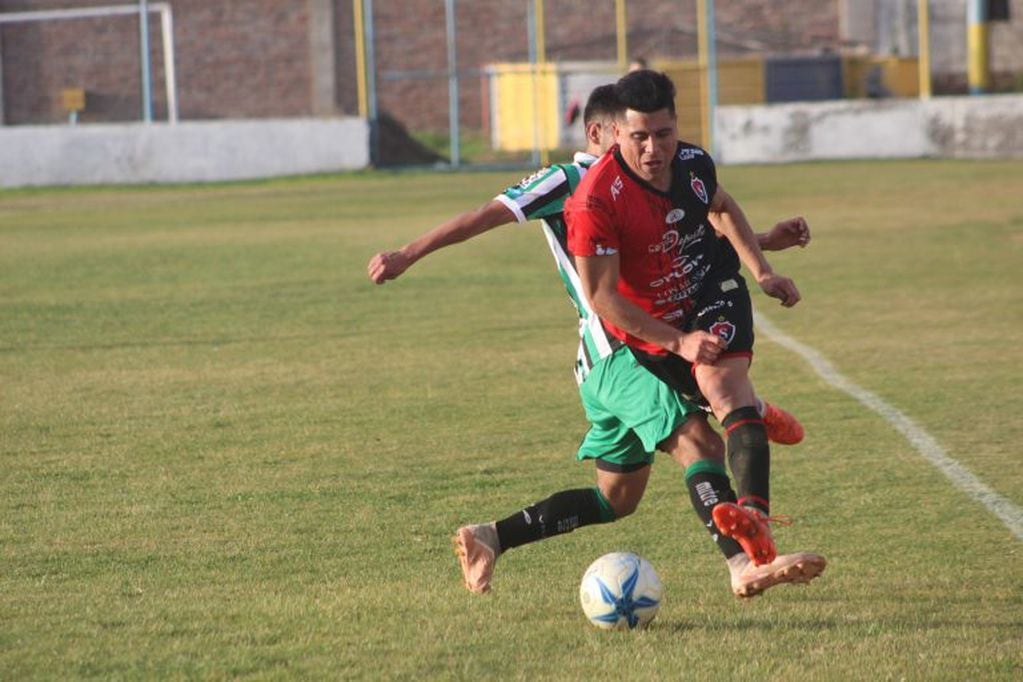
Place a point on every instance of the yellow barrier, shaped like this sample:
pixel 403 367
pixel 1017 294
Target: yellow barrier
pixel 740 81
pixel 527 109
pixel 881 76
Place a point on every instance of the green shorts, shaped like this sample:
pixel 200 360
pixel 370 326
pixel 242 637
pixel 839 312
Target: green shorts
pixel 630 411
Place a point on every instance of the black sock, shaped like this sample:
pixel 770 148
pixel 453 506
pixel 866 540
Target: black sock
pixel 560 513
pixel 749 456
pixel 709 486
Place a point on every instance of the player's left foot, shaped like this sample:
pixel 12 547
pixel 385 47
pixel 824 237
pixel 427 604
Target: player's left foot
pixel 782 427
pixel 477 548
pixel 801 567
pixel 749 528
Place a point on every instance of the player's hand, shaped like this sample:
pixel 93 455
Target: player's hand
pixel 788 233
pixel 387 265
pixel 701 348
pixel 781 288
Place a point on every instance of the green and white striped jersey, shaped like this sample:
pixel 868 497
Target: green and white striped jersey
pixel 542 196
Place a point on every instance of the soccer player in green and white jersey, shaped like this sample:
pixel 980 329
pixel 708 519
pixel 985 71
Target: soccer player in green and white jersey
pixel 631 412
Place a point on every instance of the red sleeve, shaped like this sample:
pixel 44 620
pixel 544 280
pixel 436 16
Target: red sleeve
pixel 591 226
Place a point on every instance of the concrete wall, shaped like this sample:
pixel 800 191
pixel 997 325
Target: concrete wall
pixel 187 152
pixel 959 127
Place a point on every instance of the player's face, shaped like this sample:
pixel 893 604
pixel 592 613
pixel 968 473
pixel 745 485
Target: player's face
pixel 647 142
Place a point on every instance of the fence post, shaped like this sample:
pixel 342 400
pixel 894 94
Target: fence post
pixel 371 86
pixel 978 67
pixel 708 72
pixel 147 74
pixel 453 111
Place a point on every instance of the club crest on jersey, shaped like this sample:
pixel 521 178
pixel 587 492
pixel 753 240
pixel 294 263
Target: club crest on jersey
pixel 698 187
pixel 674 216
pixel 724 329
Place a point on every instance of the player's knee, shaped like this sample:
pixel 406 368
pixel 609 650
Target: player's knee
pixel 623 489
pixel 623 499
pixel 624 506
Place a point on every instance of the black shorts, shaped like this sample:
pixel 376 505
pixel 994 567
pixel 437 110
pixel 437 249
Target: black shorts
pixel 724 309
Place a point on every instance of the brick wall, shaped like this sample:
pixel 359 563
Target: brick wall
pixel 251 58
pixel 234 58
pixel 411 39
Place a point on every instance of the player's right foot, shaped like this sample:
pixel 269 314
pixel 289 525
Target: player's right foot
pixel 801 567
pixel 749 528
pixel 477 548
pixel 782 427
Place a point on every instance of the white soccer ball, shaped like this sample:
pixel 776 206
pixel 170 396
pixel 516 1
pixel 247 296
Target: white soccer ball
pixel 620 591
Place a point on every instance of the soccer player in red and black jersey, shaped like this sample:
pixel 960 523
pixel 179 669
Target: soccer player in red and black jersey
pixel 634 411
pixel 657 243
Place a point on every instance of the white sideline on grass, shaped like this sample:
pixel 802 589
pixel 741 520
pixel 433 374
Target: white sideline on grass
pixel 1004 509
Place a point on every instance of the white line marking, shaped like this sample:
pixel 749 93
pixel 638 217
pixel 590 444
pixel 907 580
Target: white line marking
pixel 1004 509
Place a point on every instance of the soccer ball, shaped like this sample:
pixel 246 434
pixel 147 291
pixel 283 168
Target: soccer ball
pixel 620 591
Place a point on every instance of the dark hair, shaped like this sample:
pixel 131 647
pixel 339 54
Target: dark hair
pixel 602 103
pixel 646 91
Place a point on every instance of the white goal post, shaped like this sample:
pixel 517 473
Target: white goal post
pixel 166 27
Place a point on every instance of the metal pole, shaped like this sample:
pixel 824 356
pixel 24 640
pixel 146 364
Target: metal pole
pixel 371 86
pixel 923 29
pixel 147 75
pixel 80 13
pixel 622 35
pixel 360 58
pixel 170 77
pixel 531 33
pixel 541 98
pixel 453 128
pixel 708 72
pixel 712 76
pixel 1 81
pixel 978 71
pixel 701 59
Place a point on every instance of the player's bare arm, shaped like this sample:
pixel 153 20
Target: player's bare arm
pixel 727 217
pixel 599 278
pixel 391 264
pixel 785 235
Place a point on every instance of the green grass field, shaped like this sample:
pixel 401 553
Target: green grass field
pixel 226 454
